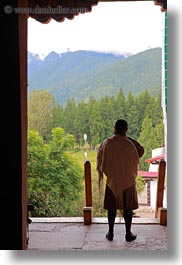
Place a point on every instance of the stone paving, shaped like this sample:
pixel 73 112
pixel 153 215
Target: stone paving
pixel 77 236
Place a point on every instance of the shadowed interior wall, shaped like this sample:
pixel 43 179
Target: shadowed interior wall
pixel 10 140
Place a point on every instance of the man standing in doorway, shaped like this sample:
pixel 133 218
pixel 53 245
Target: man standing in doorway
pixel 118 158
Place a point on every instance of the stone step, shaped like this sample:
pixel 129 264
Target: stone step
pixel 95 220
pixel 144 209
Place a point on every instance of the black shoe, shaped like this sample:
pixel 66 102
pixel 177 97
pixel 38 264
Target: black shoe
pixel 130 237
pixel 109 236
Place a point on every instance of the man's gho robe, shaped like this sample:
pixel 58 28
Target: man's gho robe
pixel 118 159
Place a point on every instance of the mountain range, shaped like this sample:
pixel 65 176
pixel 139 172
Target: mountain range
pixel 82 74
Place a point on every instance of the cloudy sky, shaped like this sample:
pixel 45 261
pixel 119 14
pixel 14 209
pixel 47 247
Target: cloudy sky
pixel 118 27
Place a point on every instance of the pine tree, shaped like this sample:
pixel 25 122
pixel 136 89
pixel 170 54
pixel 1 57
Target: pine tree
pixel 132 117
pixel 148 140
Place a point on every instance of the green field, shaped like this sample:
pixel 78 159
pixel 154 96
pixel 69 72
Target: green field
pixel 79 156
pixel 97 198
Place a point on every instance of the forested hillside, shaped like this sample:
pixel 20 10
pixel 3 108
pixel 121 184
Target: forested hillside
pixel 82 74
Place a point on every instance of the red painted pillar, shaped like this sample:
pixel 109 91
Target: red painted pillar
pixel 87 211
pixel 160 186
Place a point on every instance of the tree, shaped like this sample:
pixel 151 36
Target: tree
pixel 36 155
pixel 142 101
pixel 140 184
pixel 82 123
pixel 148 140
pixel 154 110
pixel 70 174
pixel 69 116
pixel 56 121
pixel 159 131
pixel 132 117
pixel 107 112
pixel 54 178
pixel 120 106
pixel 40 111
pixel 95 122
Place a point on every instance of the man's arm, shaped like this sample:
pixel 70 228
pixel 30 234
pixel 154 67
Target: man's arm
pixel 98 165
pixel 140 148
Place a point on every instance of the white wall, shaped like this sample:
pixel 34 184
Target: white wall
pixel 153 193
pixel 153 184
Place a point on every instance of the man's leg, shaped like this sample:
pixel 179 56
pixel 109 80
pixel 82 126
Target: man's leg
pixel 111 219
pixel 128 221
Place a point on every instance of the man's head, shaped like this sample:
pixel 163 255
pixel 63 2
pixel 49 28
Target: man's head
pixel 121 127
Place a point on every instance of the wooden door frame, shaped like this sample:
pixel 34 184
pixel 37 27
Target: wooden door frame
pixel 22 18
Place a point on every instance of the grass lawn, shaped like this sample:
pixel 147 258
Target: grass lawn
pixel 97 199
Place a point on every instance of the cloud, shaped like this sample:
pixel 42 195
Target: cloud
pixel 120 27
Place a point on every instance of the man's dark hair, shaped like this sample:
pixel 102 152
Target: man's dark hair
pixel 121 125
